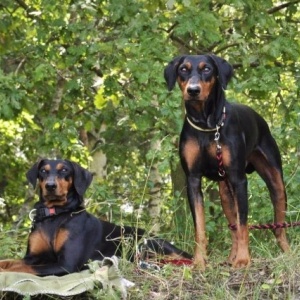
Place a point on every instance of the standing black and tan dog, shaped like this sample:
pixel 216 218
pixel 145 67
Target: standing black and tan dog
pixel 223 142
pixel 64 236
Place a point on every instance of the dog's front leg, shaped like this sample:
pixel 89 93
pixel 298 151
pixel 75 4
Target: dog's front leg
pixel 235 206
pixel 230 211
pixel 15 265
pixel 195 198
pixel 241 198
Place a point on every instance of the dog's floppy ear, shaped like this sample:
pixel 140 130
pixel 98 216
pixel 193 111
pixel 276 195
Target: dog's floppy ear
pixel 32 174
pixel 82 178
pixel 170 72
pixel 225 70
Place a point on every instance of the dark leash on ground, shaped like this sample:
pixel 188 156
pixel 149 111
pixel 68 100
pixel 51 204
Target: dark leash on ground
pixel 268 226
pixel 147 260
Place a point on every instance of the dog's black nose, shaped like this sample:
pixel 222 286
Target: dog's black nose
pixel 193 90
pixel 50 186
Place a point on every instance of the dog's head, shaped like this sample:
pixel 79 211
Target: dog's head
pixel 197 75
pixel 57 179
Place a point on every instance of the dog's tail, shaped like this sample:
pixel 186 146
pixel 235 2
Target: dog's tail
pixel 156 246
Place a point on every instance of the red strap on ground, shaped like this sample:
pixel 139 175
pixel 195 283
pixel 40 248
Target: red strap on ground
pixel 177 262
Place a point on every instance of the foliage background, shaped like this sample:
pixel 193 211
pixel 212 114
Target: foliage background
pixel 84 78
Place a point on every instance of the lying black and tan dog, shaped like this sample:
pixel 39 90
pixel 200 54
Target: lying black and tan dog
pixel 64 236
pixel 223 141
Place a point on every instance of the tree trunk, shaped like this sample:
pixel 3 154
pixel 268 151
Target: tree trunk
pixel 182 211
pixel 154 204
pixel 93 141
pixel 178 180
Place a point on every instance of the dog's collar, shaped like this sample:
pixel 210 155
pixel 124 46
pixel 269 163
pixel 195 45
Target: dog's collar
pixel 219 124
pixel 39 214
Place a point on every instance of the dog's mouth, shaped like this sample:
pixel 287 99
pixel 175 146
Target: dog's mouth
pixel 194 100
pixel 51 200
pixel 52 197
pixel 194 105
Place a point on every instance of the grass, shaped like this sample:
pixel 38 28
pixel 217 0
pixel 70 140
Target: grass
pixel 272 278
pixel 271 275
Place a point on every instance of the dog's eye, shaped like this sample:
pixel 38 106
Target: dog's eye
pixel 64 170
pixel 43 171
pixel 183 69
pixel 206 70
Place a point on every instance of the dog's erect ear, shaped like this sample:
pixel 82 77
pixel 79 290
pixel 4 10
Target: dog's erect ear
pixel 32 174
pixel 225 70
pixel 170 72
pixel 82 178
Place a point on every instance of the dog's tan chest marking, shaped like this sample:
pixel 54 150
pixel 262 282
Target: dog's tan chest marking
pixel 39 242
pixel 191 152
pixel 61 237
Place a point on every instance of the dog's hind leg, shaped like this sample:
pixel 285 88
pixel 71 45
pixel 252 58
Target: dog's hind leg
pixel 269 168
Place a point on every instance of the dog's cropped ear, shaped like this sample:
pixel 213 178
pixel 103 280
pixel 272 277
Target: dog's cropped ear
pixel 225 70
pixel 32 174
pixel 170 71
pixel 82 178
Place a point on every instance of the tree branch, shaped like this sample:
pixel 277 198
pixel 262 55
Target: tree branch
pixel 185 45
pixel 281 6
pixel 31 13
pixel 256 64
pixel 23 5
pixel 226 47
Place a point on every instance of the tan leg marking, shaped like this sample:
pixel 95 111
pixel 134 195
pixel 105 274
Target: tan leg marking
pixel 200 238
pixel 230 211
pixel 242 258
pixel 15 266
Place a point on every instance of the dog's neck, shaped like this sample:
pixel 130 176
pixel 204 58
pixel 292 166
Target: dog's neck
pixel 74 200
pixel 209 113
pixel 74 205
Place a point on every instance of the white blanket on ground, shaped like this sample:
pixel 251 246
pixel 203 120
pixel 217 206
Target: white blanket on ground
pixel 101 274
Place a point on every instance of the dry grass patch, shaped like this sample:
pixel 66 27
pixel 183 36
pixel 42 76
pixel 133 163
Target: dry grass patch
pixel 277 278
